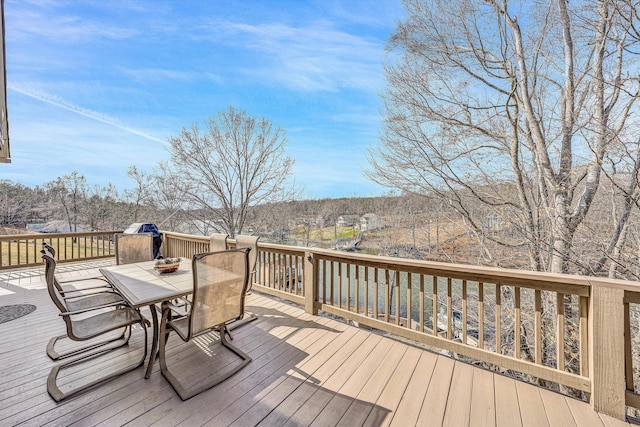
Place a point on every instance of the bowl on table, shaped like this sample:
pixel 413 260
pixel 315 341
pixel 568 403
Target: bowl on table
pixel 167 265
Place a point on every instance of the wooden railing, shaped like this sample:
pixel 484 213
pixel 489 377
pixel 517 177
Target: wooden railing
pixel 183 245
pixel 23 250
pixel 580 333
pixel 577 332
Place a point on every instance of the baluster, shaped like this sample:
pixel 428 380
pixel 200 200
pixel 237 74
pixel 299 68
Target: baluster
pixel 434 303
pixel 584 333
pixel 498 319
pixel 449 309
pixel 408 300
pixel 397 287
pixel 480 315
pixel 628 355
pixel 387 297
pixel 421 303
pixel 333 300
pixel 517 323
pixel 348 289
pixel 357 267
pixel 340 284
pixel 375 293
pixel 366 290
pixel 464 312
pixel 560 332
pixel 538 326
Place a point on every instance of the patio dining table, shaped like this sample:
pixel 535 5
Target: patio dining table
pixel 141 285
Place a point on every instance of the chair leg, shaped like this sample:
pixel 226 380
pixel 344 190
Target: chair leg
pixel 249 317
pixel 185 393
pixel 119 342
pixel 52 381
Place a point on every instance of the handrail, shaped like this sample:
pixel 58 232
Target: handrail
pixel 23 250
pixel 575 331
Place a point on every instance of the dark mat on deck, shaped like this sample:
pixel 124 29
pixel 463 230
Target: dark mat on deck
pixel 11 312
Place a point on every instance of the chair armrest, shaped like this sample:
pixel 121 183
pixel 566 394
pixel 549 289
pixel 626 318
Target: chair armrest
pixel 87 310
pixel 178 309
pixel 94 290
pixel 80 279
pixel 70 297
pixel 107 285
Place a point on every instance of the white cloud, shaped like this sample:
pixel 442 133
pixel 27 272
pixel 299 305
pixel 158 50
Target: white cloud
pixel 158 74
pixel 100 117
pixel 309 58
pixel 26 23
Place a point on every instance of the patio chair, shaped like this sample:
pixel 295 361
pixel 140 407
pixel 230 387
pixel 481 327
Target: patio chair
pixel 85 325
pixel 99 298
pixel 251 242
pixel 132 248
pixel 218 242
pixel 219 288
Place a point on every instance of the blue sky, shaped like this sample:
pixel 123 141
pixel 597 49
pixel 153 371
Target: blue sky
pixel 98 86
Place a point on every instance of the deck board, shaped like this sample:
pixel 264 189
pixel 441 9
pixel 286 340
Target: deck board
pixel 483 409
pixel 435 401
pixel 534 407
pixel 412 398
pixel 506 402
pixel 306 370
pixel 345 395
pixel 324 392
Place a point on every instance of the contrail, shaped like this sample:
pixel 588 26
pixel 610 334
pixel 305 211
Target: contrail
pixel 59 102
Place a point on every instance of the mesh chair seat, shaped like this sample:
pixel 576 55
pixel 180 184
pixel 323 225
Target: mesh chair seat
pixel 181 327
pixel 93 300
pixel 107 321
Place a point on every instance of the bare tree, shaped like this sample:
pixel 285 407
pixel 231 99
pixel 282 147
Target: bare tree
pixel 100 205
pixel 16 201
pixel 141 194
pixel 512 106
pixel 69 193
pixel 237 162
pixel 168 197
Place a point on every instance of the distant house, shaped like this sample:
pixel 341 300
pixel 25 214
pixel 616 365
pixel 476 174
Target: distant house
pixel 322 221
pixel 370 222
pixel 52 227
pixel 347 220
pixel 36 228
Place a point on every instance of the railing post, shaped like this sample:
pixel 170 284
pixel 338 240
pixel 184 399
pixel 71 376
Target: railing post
pixel 606 350
pixel 310 283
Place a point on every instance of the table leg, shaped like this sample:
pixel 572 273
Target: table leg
pixel 154 341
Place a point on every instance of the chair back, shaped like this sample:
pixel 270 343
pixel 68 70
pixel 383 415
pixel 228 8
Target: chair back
pixel 132 248
pixel 50 268
pixel 47 246
pixel 219 285
pixel 218 242
pixel 252 243
pixel 53 287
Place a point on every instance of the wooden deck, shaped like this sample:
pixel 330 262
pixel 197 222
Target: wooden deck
pixel 306 370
